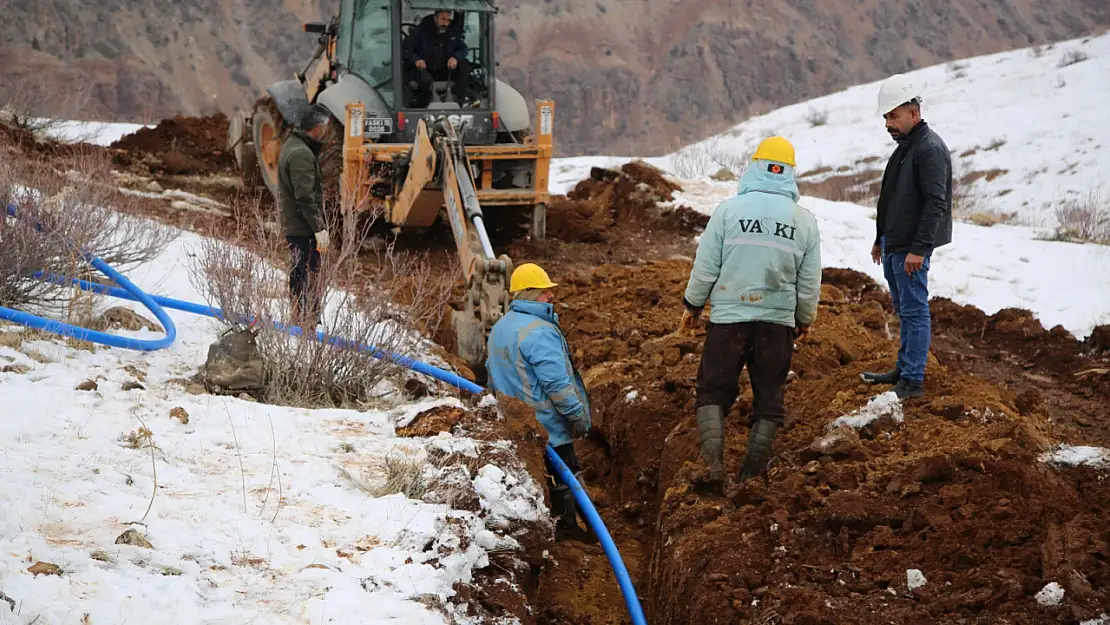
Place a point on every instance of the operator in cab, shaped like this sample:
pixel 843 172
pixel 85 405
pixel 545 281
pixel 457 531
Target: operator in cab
pixel 437 52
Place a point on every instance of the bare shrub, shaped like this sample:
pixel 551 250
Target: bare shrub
pixel 1037 51
pixel 817 117
pixel 1086 218
pixel 41 103
pixel 990 218
pixel 403 474
pixel 64 208
pixel 382 303
pixel 708 158
pixel 858 183
pixel 1071 57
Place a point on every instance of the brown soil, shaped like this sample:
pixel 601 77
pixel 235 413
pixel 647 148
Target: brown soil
pixel 182 145
pixel 614 202
pixel 955 490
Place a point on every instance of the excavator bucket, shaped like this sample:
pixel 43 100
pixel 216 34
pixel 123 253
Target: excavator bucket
pixel 470 338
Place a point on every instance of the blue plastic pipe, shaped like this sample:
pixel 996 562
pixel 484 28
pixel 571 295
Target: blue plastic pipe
pixel 593 519
pixel 208 311
pixel 112 340
pixel 156 305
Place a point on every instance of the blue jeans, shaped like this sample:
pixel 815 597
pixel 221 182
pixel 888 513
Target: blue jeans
pixel 910 296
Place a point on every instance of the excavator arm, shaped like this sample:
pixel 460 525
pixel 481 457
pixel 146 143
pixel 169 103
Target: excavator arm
pixel 486 275
pixel 439 175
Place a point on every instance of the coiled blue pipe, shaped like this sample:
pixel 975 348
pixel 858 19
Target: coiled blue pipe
pixel 132 292
pixel 155 304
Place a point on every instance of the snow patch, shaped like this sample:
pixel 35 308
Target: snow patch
pixel 915 579
pixel 1077 456
pixel 250 521
pixel 405 415
pixel 454 445
pixel 1051 594
pixel 883 405
pixel 506 495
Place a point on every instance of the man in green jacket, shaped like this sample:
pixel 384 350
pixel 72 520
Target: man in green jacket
pixel 301 202
pixel 759 266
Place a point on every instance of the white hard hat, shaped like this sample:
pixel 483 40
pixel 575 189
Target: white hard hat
pixel 896 91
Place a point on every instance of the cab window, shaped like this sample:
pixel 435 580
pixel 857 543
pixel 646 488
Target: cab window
pixel 366 43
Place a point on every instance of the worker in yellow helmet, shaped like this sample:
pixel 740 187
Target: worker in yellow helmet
pixel 529 359
pixel 758 265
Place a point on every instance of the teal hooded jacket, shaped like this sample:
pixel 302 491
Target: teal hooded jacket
pixel 529 359
pixel 759 258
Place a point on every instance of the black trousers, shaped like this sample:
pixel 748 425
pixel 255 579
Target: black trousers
pixel 303 273
pixel 766 349
pixel 568 455
pixel 439 71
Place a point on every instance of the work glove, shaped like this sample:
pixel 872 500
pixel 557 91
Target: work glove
pixel 322 241
pixel 579 425
pixel 690 317
pixel 800 332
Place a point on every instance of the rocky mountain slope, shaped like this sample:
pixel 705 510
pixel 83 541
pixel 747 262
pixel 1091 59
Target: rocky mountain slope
pixel 635 76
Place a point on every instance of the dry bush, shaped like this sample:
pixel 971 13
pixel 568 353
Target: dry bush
pixel 859 184
pixel 64 207
pixel 41 103
pixel 383 303
pixel 403 474
pixel 1086 218
pixel 1071 57
pixel 817 117
pixel 708 158
pixel 990 218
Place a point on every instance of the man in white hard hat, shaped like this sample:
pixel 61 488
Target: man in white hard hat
pixel 914 218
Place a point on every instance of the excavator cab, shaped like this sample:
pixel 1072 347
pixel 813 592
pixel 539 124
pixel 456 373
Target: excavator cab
pixel 414 152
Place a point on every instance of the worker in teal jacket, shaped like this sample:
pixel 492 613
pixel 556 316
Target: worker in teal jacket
pixel 529 359
pixel 758 265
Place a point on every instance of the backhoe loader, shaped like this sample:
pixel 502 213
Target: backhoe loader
pixel 393 152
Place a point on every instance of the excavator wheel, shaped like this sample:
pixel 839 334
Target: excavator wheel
pixel 240 142
pixel 269 131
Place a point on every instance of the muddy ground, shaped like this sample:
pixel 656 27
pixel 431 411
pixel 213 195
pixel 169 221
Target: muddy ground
pixel 954 490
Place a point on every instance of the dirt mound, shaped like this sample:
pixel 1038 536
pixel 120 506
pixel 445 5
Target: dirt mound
pixel 183 145
pixel 619 199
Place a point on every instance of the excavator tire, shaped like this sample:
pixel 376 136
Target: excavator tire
pixel 240 143
pixel 269 132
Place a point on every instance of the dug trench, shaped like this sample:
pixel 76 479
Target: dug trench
pixel 954 488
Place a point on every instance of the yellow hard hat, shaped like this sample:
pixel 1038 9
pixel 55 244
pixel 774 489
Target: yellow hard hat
pixel 775 149
pixel 529 276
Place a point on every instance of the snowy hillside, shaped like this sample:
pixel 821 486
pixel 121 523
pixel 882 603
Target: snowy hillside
pixel 1037 129
pixel 1029 133
pixel 259 513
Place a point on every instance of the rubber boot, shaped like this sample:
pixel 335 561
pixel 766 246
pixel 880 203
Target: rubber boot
pixel 889 377
pixel 563 508
pixel 908 389
pixel 711 427
pixel 760 440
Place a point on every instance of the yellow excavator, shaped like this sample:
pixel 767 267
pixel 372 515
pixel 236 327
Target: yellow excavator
pixel 410 154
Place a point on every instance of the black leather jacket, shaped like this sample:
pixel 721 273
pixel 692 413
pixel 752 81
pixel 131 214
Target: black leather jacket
pixel 915 204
